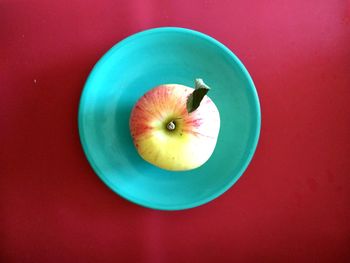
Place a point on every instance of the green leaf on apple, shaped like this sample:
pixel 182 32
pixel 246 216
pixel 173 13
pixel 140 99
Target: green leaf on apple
pixel 195 98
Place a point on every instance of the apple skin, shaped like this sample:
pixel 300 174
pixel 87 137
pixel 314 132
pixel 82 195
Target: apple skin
pixel 191 143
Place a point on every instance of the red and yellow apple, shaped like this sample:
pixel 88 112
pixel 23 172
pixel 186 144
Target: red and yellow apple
pixel 175 127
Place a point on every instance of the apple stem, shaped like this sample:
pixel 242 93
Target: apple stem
pixel 171 126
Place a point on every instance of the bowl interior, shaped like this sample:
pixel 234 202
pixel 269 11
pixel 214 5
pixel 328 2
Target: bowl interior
pixel 148 59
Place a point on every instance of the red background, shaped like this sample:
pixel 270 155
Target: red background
pixel 291 205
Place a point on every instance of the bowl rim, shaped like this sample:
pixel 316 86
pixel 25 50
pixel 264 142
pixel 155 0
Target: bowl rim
pixel 252 88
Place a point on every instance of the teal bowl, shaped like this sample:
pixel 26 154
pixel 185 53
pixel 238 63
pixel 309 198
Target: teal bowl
pixel 134 66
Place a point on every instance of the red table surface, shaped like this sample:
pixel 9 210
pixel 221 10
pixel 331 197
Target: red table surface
pixel 291 205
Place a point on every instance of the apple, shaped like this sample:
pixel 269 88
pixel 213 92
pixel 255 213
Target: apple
pixel 175 127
